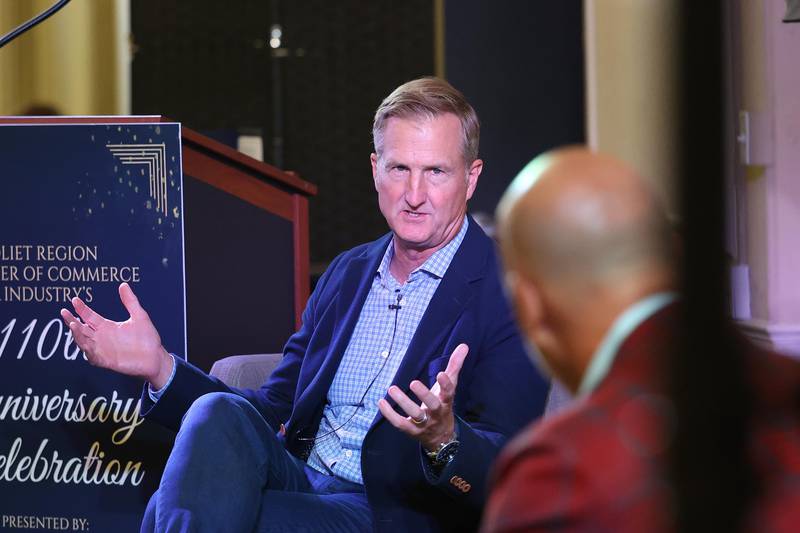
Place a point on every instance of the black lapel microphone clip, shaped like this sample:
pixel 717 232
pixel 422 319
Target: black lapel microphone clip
pixel 396 306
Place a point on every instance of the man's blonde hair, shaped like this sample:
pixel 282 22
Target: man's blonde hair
pixel 427 98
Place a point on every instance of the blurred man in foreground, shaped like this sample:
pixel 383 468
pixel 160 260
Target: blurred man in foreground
pixel 589 259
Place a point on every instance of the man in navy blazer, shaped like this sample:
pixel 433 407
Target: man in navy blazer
pixel 432 392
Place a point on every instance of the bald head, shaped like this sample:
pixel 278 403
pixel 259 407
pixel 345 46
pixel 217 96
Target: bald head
pixel 576 216
pixel 583 238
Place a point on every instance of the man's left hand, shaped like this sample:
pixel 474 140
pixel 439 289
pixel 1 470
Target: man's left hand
pixel 432 422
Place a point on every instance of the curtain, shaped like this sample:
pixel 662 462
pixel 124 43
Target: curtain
pixel 77 61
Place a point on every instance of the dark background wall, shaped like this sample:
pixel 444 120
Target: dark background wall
pixel 520 64
pixel 208 65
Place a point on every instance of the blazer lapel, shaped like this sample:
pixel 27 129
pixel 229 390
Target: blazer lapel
pixel 448 303
pixel 452 296
pixel 355 285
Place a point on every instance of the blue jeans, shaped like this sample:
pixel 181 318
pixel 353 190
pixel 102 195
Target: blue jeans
pixel 229 472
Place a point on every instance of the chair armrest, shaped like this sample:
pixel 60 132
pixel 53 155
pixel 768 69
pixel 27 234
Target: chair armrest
pixel 246 371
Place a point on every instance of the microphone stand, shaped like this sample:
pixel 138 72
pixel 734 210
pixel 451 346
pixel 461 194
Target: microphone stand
pixel 22 28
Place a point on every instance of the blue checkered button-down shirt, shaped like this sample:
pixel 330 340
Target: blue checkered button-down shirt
pixel 376 349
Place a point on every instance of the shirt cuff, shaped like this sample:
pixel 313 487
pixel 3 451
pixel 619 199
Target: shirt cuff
pixel 156 394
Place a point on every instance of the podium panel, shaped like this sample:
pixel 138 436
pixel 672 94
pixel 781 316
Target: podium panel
pixel 238 270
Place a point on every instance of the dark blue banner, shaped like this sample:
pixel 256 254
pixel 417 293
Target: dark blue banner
pixel 82 209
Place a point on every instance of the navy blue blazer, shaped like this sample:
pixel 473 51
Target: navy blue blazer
pixel 498 393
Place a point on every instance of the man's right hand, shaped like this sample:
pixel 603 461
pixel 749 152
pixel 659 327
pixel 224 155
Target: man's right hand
pixel 132 347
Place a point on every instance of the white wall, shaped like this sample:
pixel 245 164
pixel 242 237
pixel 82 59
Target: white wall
pixel 769 82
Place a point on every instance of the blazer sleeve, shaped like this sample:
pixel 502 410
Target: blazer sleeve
pixel 504 393
pixel 274 399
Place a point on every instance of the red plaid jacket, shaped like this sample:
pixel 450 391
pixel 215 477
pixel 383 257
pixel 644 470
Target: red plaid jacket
pixel 597 466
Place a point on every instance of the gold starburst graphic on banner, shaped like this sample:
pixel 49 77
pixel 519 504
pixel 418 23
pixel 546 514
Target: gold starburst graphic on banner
pixel 151 155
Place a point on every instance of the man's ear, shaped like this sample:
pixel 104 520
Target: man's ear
pixel 373 159
pixel 528 303
pixel 536 324
pixel 473 172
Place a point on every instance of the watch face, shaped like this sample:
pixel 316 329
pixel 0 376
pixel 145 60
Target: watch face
pixel 447 452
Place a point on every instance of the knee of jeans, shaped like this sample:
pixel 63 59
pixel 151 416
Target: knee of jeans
pixel 217 407
pixel 149 519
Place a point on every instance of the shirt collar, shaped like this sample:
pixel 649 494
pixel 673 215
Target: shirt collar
pixel 437 264
pixel 623 326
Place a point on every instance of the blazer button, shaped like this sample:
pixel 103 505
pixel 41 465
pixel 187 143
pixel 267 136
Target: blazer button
pixel 459 483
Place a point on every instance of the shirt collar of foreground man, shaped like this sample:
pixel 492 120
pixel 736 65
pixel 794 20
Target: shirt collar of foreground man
pixel 589 266
pixel 623 326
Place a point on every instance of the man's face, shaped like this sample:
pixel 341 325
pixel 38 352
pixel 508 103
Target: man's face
pixel 422 181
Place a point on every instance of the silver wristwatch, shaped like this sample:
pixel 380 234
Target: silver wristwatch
pixel 444 453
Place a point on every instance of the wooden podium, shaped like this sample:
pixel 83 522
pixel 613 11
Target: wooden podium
pixel 246 245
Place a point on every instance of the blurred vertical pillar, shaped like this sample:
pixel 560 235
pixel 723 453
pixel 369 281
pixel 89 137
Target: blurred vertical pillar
pixel 77 61
pixel 713 481
pixel 631 74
